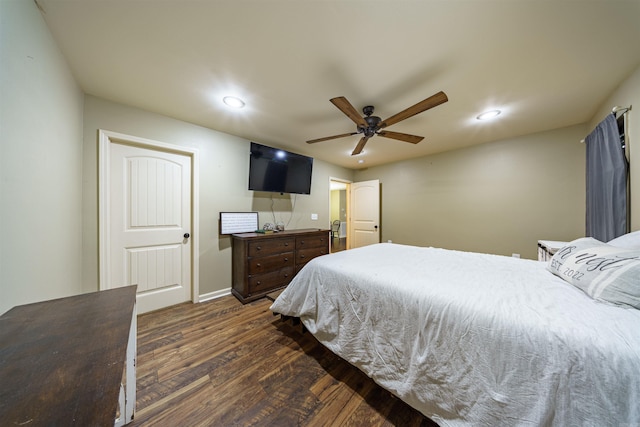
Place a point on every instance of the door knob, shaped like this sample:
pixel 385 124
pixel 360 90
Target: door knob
pixel 187 235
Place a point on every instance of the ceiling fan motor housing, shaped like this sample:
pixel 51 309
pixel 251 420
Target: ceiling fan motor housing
pixel 372 121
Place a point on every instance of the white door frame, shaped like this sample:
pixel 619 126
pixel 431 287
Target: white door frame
pixel 105 139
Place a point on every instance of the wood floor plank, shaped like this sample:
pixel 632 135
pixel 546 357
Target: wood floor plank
pixel 187 407
pixel 163 403
pixel 221 363
pixel 217 341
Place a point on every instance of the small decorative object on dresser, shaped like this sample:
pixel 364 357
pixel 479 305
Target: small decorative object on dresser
pixel 263 263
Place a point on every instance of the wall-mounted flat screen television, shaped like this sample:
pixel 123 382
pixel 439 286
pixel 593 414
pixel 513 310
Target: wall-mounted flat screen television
pixel 279 171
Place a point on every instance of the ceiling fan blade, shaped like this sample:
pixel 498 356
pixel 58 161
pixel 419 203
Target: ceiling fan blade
pixel 326 138
pixel 360 145
pixel 414 139
pixel 348 109
pixel 432 101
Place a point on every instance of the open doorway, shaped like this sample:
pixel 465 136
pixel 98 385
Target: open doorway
pixel 339 209
pixel 354 213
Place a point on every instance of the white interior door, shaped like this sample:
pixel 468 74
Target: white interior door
pixel 149 219
pixel 364 227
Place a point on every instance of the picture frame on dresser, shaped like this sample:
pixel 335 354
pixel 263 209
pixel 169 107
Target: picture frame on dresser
pixel 237 222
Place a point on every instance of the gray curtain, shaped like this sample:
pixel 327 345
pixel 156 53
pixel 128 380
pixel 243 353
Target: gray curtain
pixel 606 182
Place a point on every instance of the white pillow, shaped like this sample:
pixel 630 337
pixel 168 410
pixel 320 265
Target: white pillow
pixel 629 240
pixel 604 272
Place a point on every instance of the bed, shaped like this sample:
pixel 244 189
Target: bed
pixel 473 339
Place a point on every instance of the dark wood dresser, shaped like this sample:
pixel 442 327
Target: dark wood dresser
pixel 62 361
pixel 263 263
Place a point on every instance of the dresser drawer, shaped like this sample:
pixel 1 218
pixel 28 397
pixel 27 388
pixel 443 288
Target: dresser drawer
pixel 275 279
pixel 271 246
pixel 305 255
pixel 269 263
pixel 312 242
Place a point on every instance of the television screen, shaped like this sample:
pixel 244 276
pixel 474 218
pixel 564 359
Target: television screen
pixel 279 171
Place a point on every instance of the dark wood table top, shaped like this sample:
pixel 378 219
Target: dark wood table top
pixel 62 361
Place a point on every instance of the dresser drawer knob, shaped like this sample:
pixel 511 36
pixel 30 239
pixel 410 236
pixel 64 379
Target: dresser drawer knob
pixel 258 265
pixel 258 283
pixel 301 255
pixel 286 243
pixel 258 248
pixel 286 259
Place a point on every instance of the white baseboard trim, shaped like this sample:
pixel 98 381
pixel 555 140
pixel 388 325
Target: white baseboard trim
pixel 213 295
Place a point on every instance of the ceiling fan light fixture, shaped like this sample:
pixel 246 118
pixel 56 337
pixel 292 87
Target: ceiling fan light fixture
pixel 488 115
pixel 233 102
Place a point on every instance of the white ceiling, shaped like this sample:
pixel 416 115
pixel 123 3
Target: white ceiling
pixel 545 63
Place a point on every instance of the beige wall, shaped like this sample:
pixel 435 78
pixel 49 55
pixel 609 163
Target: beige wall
pixel 503 196
pixel 224 163
pixel 335 205
pixel 499 197
pixel 628 93
pixel 40 162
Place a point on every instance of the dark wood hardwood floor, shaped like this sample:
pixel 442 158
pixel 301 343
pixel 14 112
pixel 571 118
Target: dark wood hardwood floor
pixel 221 363
pixel 338 244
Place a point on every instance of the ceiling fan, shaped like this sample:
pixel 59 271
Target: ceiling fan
pixel 373 125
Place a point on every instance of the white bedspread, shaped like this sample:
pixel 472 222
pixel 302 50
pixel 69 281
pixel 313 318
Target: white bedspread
pixel 473 339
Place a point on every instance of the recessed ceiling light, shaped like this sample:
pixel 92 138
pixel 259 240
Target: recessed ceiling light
pixel 233 101
pixel 360 161
pixel 488 115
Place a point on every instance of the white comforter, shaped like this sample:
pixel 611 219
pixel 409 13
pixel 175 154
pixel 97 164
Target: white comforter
pixel 473 339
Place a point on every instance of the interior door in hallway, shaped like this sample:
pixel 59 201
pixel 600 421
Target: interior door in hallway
pixel 364 213
pixel 150 224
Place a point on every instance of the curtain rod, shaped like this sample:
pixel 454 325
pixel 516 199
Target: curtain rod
pixel 618 109
pixel 614 111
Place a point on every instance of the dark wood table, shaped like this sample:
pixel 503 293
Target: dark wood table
pixel 62 361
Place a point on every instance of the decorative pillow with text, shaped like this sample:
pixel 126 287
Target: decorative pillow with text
pixel 604 272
